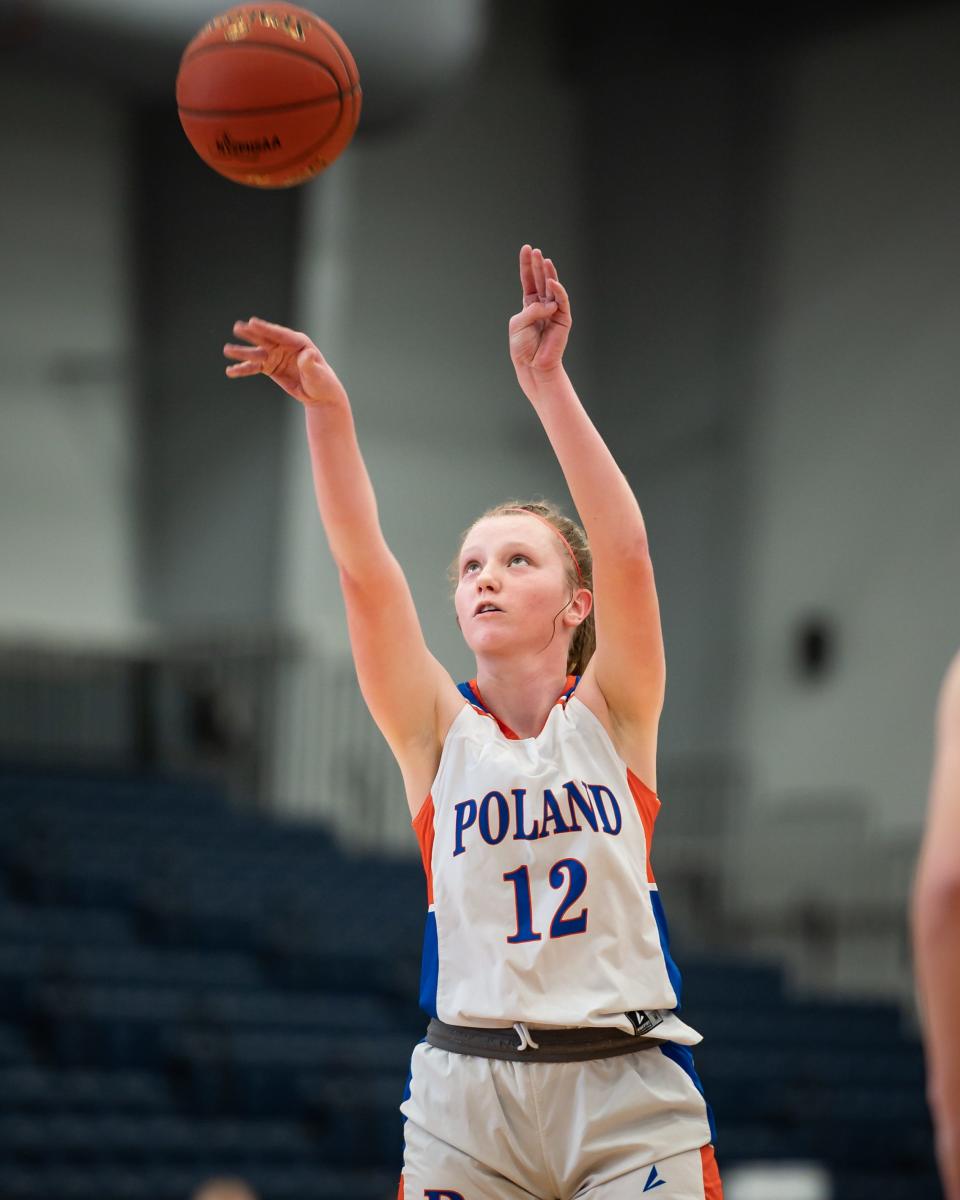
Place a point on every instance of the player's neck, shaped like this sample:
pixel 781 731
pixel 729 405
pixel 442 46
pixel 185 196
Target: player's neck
pixel 521 695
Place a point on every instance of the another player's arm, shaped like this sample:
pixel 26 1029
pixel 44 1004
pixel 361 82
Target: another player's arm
pixel 401 681
pixel 936 934
pixel 628 666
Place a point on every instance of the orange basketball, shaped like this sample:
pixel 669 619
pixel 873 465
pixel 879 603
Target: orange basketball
pixel 268 96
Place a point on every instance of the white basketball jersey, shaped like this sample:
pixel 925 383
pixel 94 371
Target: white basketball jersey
pixel 543 907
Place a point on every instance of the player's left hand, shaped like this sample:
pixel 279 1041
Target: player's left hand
pixel 539 332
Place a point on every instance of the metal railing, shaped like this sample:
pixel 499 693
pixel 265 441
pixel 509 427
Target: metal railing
pixel 186 705
pixel 283 727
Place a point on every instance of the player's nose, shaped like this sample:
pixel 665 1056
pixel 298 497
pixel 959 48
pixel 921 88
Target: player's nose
pixel 487 578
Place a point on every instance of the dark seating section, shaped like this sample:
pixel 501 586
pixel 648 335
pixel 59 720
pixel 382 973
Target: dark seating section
pixel 841 1084
pixel 186 990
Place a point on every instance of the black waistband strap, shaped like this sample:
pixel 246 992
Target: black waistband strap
pixel 545 1045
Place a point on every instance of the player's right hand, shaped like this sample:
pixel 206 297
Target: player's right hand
pixel 289 358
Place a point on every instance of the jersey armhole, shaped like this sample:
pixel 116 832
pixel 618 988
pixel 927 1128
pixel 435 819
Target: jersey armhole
pixel 613 750
pixel 443 755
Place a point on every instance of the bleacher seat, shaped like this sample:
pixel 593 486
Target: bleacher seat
pixel 14 1048
pixel 116 1028
pixel 868 1185
pixel 33 1089
pixel 185 990
pixel 51 926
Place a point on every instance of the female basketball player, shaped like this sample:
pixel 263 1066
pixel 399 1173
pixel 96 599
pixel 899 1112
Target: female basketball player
pixel 554 1065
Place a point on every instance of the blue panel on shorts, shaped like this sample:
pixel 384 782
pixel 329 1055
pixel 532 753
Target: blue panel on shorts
pixel 429 967
pixel 683 1057
pixel 406 1087
pixel 673 973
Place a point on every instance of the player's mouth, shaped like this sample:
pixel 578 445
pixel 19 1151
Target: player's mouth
pixel 484 609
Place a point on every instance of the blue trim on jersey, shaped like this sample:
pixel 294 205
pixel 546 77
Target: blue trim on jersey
pixel 429 966
pixel 467 692
pixel 673 971
pixel 683 1057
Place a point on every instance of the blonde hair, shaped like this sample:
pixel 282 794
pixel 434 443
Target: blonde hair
pixel 579 569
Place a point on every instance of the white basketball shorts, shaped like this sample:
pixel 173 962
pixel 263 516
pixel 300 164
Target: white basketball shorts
pixel 607 1129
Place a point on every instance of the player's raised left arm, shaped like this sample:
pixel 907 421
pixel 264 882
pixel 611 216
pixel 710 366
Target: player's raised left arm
pixel 936 934
pixel 628 665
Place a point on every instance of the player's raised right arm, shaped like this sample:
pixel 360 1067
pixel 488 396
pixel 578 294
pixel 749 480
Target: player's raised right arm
pixel 407 691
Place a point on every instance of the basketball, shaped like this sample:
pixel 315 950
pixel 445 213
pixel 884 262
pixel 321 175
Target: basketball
pixel 268 96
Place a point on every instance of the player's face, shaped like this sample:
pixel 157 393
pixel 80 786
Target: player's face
pixel 512 583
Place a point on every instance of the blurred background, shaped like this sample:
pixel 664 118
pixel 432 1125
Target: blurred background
pixel 210 896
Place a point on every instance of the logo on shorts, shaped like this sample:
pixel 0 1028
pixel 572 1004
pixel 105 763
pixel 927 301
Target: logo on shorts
pixel 653 1180
pixel 434 1194
pixel 643 1022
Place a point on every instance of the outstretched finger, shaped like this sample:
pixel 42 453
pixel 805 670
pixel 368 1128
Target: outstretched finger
pixel 244 353
pixel 242 369
pixel 244 329
pixel 539 277
pixel 266 330
pixel 527 281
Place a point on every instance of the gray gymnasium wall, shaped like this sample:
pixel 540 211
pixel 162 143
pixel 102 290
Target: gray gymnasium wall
pixel 679 182
pixel 760 241
pixel 783 376
pixel 853 481
pixel 67 456
pixel 209 456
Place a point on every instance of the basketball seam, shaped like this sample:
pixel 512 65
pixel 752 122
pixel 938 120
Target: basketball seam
pixel 254 112
pixel 351 74
pixel 292 51
pixel 278 168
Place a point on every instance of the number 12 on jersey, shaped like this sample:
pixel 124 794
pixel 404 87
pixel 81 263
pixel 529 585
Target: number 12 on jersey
pixel 569 870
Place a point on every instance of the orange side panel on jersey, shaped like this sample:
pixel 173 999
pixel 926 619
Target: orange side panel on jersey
pixel 712 1187
pixel 647 806
pixel 423 828
pixel 400 1189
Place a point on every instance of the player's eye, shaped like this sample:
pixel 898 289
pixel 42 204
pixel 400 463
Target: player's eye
pixel 519 558
pixel 470 566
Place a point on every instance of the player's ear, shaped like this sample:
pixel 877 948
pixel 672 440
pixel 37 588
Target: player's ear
pixel 580 606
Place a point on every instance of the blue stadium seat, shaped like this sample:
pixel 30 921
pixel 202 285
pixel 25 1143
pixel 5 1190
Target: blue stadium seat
pixel 326 1183
pixel 150 967
pixel 185 990
pixel 886 1185
pixel 114 1028
pixel 356 1120
pixel 14 1048
pixel 41 1090
pixel 52 926
pixel 725 983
